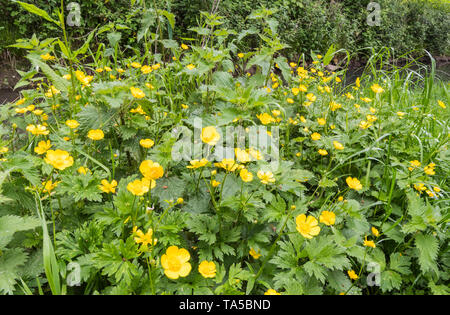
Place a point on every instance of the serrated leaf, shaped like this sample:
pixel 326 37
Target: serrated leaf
pixel 427 246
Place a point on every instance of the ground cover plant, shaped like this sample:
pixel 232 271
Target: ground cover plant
pixel 114 177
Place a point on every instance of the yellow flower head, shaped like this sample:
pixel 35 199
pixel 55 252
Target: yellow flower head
pixel 335 106
pixel 353 183
pixel 96 134
pixel 266 177
pixel 241 155
pixel 241 55
pixel 323 152
pixel 184 47
pixel 321 121
pixel 72 124
pixel 146 143
pixel 245 175
pixel 315 136
pixel 207 269
pixel 37 130
pixel 265 118
pixel 176 262
pixel 257 155
pixel 190 66
pixel 271 292
pixel 47 56
pixel 369 243
pixel 215 183
pixel 136 65
pixel 311 97
pixel 338 146
pixel 254 253
pixel 42 147
pixel 352 274
pixel 327 217
pixel 375 231
pixel 146 238
pixel 197 163
pixel 210 135
pixel 137 92
pixel 83 170
pixel 141 187
pixel 108 187
pixel 307 226
pixel 441 103
pixel 229 165
pixel 59 159
pixel 151 170
pixel 49 186
pixel 377 89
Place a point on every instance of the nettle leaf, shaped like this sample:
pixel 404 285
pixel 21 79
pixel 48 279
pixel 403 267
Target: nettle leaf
pixel 427 247
pixel 10 224
pixel 10 262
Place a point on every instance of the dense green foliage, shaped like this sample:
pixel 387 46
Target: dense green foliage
pixel 108 185
pixel 304 25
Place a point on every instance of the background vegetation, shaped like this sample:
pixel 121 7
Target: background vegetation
pixel 304 25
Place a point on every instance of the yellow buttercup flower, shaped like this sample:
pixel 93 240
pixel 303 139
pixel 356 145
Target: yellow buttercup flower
pixel 245 175
pixel 369 243
pixel 72 124
pixel 352 274
pixel 271 292
pixel 197 163
pixel 207 269
pixel 241 155
pixel 311 97
pixel 321 121
pixel 241 55
pixel 364 124
pixel 315 136
pixel 37 130
pixel 184 47
pixel 265 118
pixel 146 69
pixel 366 99
pixel 210 135
pixel 137 92
pixel 146 238
pixel 83 170
pixel 257 155
pixel 323 152
pixel 176 262
pixel 375 231
pixel 146 143
pixel 327 217
pixel 190 66
pixel 338 146
pixel 42 147
pixel 254 253
pixel 353 183
pixel 429 169
pixel 215 183
pixel 229 165
pixel 266 177
pixel 141 187
pixel 49 186
pixel 136 65
pixel 151 170
pixel 96 134
pixel 108 187
pixel 335 106
pixel 307 226
pixel 3 150
pixel 377 89
pixel 441 104
pixel 47 57
pixel 59 159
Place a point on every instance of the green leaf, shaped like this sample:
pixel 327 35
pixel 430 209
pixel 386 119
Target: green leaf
pixel 35 10
pixel 10 224
pixel 10 262
pixel 60 83
pixel 427 246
